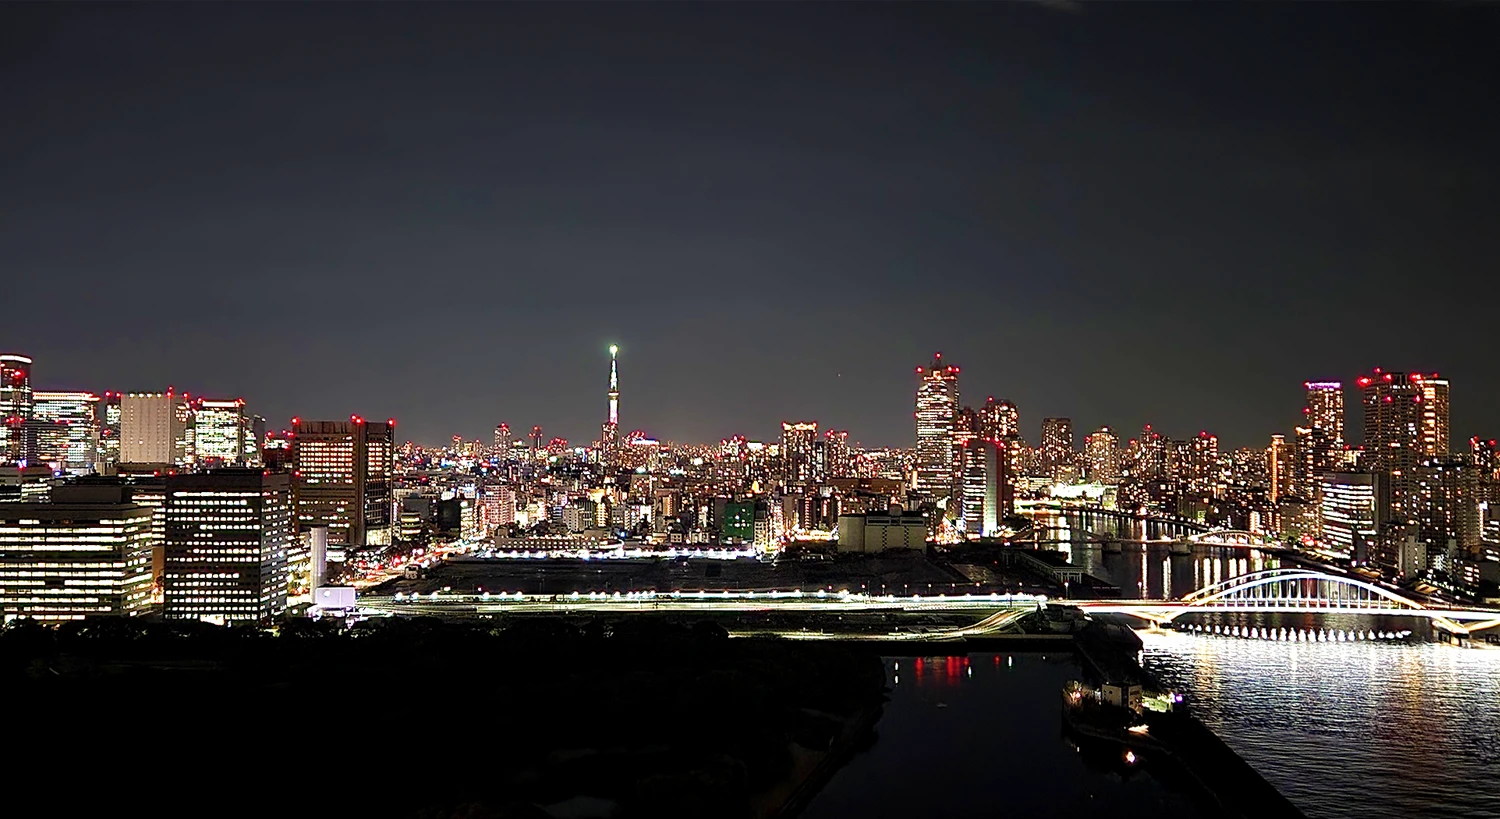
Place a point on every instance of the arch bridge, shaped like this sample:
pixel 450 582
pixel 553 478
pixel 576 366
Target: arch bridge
pixel 1299 590
pixel 1231 537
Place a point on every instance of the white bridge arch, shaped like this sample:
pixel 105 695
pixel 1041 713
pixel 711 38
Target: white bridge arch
pixel 1300 590
pixel 1231 537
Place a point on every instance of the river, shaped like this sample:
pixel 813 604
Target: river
pixel 981 736
pixel 1346 730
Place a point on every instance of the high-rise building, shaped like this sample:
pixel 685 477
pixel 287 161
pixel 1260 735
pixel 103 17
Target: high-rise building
pixel 15 406
pixel 1394 441
pixel 1350 505
pixel 152 429
pixel 797 451
pixel 229 532
pixel 1200 462
pixel 85 553
pixel 502 442
pixel 1279 467
pixel 1446 503
pixel 1482 455
pixel 983 493
pixel 1325 409
pixel 342 479
pixel 1101 450
pixel 109 434
pixel 836 450
pixel 999 420
pixel 220 429
pixel 67 430
pixel 1434 426
pixel 1320 438
pixel 937 414
pixel 1057 445
pixel 609 437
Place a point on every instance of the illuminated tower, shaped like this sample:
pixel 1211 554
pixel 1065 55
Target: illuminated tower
pixel 1406 422
pixel 609 436
pixel 1434 414
pixel 1057 444
pixel 999 420
pixel 1102 453
pixel 797 451
pixel 937 411
pixel 342 479
pixel 536 440
pixel 16 403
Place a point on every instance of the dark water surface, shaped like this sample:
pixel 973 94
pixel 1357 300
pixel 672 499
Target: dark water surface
pixel 982 738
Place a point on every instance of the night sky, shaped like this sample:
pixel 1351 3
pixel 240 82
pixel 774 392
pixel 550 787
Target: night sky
pixel 1119 212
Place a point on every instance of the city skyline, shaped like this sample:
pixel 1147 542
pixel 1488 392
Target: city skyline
pixel 1032 427
pixel 1155 211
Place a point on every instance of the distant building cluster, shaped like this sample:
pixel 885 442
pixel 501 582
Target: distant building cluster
pixel 128 502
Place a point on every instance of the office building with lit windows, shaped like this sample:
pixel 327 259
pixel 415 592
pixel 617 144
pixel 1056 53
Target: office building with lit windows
pixel 152 429
pixel 1056 451
pixel 87 552
pixel 936 416
pixel 229 532
pixel 999 420
pixel 798 458
pixel 839 459
pixel 67 426
pixel 1101 453
pixel 220 429
pixel 108 458
pixel 1350 512
pixel 982 500
pixel 15 406
pixel 1396 422
pixel 342 474
pixel 1279 467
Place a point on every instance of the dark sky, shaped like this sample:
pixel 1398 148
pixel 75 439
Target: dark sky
pixel 1120 212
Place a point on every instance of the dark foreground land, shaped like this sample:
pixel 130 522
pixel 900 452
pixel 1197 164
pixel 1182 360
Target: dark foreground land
pixel 417 717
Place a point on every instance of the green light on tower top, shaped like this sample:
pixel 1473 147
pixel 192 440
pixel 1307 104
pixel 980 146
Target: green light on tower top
pixel 614 349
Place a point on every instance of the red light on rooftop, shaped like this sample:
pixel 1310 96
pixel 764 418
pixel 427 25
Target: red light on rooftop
pixel 1388 376
pixel 1363 381
pixel 391 421
pixel 919 369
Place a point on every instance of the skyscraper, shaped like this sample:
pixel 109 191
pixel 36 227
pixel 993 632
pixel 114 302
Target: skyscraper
pixel 219 432
pixel 797 455
pixel 937 412
pixel 15 406
pixel 836 447
pixel 1394 442
pixel 1057 445
pixel 228 535
pixel 1434 427
pixel 502 442
pixel 342 474
pixel 151 429
pixel 1279 467
pixel 1320 439
pixel 983 488
pixel 109 435
pixel 999 420
pixel 67 425
pixel 1101 450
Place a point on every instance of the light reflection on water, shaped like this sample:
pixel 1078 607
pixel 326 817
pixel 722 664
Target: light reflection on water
pixel 982 736
pixel 1350 729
